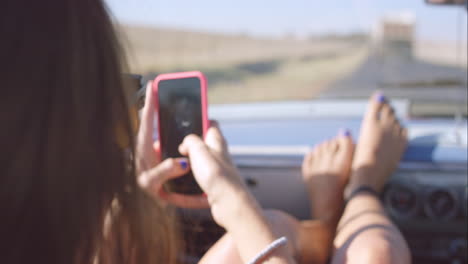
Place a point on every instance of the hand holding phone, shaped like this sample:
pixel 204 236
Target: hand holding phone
pixel 181 104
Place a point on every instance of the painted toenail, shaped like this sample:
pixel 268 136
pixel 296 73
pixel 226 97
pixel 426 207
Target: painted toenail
pixel 380 98
pixel 345 133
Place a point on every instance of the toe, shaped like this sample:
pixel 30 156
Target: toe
pixel 330 147
pixel 309 157
pixel 404 133
pixel 334 146
pixel 404 136
pixel 307 162
pixel 396 128
pixel 315 150
pixel 321 148
pixel 376 102
pixel 346 139
pixel 346 145
pixel 344 157
pixel 386 115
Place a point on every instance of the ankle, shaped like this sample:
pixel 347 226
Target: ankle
pixel 331 213
pixel 326 207
pixel 362 190
pixel 364 176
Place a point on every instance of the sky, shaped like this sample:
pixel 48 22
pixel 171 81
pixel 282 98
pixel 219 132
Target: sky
pixel 275 18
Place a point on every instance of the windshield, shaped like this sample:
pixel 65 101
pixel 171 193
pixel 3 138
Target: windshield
pixel 257 51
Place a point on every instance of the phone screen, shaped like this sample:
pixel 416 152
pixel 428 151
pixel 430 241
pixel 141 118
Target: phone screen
pixel 180 114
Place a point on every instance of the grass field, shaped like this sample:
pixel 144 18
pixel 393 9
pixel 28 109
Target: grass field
pixel 241 68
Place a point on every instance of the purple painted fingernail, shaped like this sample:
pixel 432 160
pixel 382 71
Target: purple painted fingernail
pixel 380 98
pixel 345 133
pixel 183 164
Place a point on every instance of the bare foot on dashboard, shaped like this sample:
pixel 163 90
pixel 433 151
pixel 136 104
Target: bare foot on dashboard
pixel 381 145
pixel 326 171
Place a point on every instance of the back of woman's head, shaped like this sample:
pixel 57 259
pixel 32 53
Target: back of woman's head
pixel 61 167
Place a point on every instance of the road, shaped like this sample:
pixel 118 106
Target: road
pixel 401 77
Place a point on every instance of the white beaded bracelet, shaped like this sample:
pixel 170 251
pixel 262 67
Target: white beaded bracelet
pixel 268 250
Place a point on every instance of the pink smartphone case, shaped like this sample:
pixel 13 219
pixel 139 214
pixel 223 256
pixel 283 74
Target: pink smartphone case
pixel 183 75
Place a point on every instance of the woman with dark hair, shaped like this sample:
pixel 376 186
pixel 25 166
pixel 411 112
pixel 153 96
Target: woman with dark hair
pixel 75 186
pixel 69 174
pixel 62 169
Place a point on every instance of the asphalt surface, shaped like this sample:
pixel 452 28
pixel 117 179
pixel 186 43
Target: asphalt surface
pixel 399 77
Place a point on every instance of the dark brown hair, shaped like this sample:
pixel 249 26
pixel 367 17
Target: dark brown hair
pixel 68 191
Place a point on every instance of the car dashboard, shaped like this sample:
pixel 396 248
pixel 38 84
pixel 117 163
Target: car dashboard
pixel 427 201
pixel 426 197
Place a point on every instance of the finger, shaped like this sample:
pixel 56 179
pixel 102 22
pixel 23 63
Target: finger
pixel 193 145
pixel 214 123
pixel 147 114
pixel 203 163
pixel 157 150
pixel 215 139
pixel 185 201
pixel 153 179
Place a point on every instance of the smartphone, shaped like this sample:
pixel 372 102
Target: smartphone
pixel 181 104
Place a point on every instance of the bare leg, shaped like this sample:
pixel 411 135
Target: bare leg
pixel 326 171
pixel 365 234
